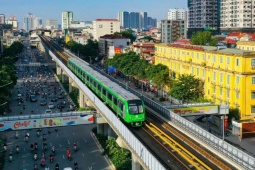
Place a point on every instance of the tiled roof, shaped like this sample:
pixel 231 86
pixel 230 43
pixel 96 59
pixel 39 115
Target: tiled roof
pixel 112 36
pixel 148 51
pixel 234 34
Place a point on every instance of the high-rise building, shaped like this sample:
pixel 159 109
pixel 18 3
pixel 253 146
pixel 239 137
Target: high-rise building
pixel 49 24
pixel 177 14
pixel 67 17
pixel 2 19
pixel 123 17
pixel 31 22
pixel 105 26
pixel 136 20
pixel 172 30
pixel 203 15
pixel 143 20
pixel 237 15
pixel 13 21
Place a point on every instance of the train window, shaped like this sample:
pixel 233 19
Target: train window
pixel 99 87
pixel 121 106
pixel 135 106
pixel 95 83
pixel 109 96
pixel 104 92
pixel 87 78
pixel 115 101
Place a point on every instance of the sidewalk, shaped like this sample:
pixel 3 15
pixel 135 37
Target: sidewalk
pixel 246 145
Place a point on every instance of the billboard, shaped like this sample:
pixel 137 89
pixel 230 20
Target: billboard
pixel 198 110
pixel 46 122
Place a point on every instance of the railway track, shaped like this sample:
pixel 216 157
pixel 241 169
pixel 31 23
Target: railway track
pixel 171 147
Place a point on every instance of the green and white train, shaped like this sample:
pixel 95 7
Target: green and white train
pixel 125 104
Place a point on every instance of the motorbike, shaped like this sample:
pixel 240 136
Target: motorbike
pixel 43 162
pixel 51 159
pixel 38 133
pixel 26 138
pixel 35 167
pixel 57 167
pixel 17 149
pixel 35 157
pixel 5 147
pixel 53 151
pixel 75 148
pixel 16 135
pixel 10 157
pixel 69 157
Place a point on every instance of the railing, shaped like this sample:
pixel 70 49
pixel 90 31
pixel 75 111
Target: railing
pixel 146 158
pixel 39 116
pixel 238 156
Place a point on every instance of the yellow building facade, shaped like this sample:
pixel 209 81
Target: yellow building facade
pixel 227 75
pixel 246 45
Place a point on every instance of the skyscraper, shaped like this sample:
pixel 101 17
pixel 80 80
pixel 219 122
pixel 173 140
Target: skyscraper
pixel 135 20
pixel 31 22
pixel 143 20
pixel 2 18
pixel 123 17
pixel 67 17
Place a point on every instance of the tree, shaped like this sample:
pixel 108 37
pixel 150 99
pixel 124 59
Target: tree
pixel 203 38
pixel 127 34
pixel 186 88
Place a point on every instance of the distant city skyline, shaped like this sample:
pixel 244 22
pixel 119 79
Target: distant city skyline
pixel 86 11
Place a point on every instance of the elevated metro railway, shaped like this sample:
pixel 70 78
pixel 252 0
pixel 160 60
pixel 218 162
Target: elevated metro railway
pixel 96 84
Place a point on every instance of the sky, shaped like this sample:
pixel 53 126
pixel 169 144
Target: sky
pixel 87 10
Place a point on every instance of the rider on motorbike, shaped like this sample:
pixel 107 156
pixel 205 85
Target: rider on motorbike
pixel 75 147
pixel 17 148
pixel 57 166
pixel 53 150
pixel 5 146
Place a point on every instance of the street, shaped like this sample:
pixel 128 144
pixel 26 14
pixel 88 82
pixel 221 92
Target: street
pixel 37 85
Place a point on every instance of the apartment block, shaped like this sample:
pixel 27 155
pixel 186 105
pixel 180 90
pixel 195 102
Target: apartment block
pixel 203 15
pixel 51 24
pixel 172 30
pixel 227 76
pixel 67 17
pixel 105 26
pixel 177 14
pixel 237 15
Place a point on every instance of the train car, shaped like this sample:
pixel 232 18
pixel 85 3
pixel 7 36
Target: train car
pixel 125 104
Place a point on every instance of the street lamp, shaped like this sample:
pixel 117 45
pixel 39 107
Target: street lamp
pixel 89 59
pixel 223 135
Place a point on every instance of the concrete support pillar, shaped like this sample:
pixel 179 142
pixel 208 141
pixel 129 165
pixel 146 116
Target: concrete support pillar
pixel 64 78
pixel 58 70
pixel 111 132
pixel 70 84
pixel 102 129
pixel 135 164
pixel 81 98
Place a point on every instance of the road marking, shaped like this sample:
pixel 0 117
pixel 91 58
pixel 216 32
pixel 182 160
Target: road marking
pixel 73 133
pixel 50 144
pixel 83 154
pixel 57 135
pixel 60 145
pixel 68 142
pixel 78 143
pixel 63 156
pixel 85 140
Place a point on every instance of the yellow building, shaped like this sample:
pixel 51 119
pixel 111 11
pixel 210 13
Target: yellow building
pixel 227 75
pixel 246 45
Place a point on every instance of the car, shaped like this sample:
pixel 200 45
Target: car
pixel 61 96
pixel 51 105
pixel 60 105
pixel 43 102
pixel 51 84
pixel 48 111
pixel 68 168
pixel 53 98
pixel 19 96
pixel 33 98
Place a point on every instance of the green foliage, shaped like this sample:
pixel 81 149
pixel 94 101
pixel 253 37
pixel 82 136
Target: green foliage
pixel 200 100
pixel 233 114
pixel 186 88
pixel 127 34
pixel 203 38
pixel 86 108
pixel 85 51
pixel 119 156
pixel 149 38
pixel 74 94
pixel 8 72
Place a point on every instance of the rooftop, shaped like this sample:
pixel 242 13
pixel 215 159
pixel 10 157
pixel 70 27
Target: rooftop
pixel 107 20
pixel 112 36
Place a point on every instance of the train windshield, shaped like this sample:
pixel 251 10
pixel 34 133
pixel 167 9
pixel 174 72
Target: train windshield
pixel 135 106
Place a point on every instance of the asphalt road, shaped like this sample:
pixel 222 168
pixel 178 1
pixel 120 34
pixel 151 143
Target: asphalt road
pixel 88 154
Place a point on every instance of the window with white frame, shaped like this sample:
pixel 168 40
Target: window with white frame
pixel 197 71
pixel 253 94
pixel 221 59
pixel 252 109
pixel 214 58
pixel 228 60
pixel 221 77
pixel 214 75
pixel 252 62
pixel 237 62
pixel 228 93
pixel 237 94
pixel 237 79
pixel 253 80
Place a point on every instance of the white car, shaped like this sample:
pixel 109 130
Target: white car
pixel 68 168
pixel 51 105
pixel 48 111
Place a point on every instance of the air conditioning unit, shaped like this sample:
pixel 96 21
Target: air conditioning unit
pixel 227 87
pixel 218 66
pixel 226 68
pixel 236 103
pixel 253 67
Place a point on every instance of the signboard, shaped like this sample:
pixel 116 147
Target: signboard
pixel 199 110
pixel 46 122
pixel 117 50
pixel 225 123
